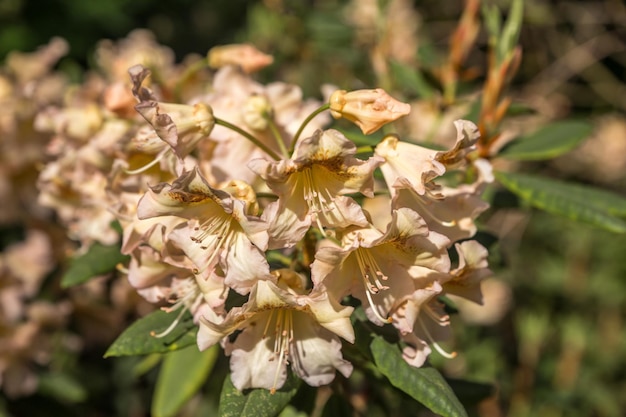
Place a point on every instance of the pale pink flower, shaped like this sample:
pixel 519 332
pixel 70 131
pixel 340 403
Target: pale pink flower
pixel 416 164
pixel 472 268
pixel 240 100
pixel 311 186
pixel 368 109
pixel 245 56
pixel 431 326
pixel 383 270
pixel 280 325
pixel 449 211
pixel 218 231
pixel 181 126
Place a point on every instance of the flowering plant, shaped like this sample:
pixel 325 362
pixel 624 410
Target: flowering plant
pixel 285 246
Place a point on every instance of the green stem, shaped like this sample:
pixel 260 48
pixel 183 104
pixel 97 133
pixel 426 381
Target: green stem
pixel 365 149
pixel 248 136
pixel 306 122
pixel 277 135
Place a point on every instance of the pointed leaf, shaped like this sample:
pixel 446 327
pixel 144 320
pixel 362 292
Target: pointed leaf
pixel 256 402
pixel 98 260
pixel 62 387
pixel 511 30
pixel 182 374
pixel 548 142
pixel 411 79
pixel 137 339
pixel 585 204
pixel 426 385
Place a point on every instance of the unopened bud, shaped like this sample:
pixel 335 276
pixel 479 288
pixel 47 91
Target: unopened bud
pixel 368 109
pixel 255 112
pixel 245 56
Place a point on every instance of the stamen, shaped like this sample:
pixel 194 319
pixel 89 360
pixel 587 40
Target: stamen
pixel 436 345
pixel 440 319
pixel 218 227
pixel 185 295
pixel 371 274
pixel 423 204
pixel 149 165
pixel 171 326
pixel 283 337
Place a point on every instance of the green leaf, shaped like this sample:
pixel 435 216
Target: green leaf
pixel 256 402
pixel 137 339
pixel 182 374
pixel 61 387
pixel 426 385
pixel 98 260
pixel 411 79
pixel 511 30
pixel 548 142
pixel 585 204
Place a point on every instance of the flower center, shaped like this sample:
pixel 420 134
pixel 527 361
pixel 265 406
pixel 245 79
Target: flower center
pixel 185 295
pixel 441 321
pixel 372 275
pixel 283 339
pixel 317 197
pixel 425 210
pixel 215 233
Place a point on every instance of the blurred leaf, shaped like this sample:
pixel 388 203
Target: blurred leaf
pixel 98 260
pixel 337 405
pixel 146 364
pixel 411 80
pixel 182 374
pixel 61 387
pixel 576 202
pixel 426 385
pixel 511 30
pixel 291 411
pixel 137 339
pixel 493 22
pixel 548 142
pixel 256 402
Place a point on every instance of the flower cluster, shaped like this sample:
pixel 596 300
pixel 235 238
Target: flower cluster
pixel 239 205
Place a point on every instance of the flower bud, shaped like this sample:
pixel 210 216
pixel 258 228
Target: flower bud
pixel 245 56
pixel 255 112
pixel 368 109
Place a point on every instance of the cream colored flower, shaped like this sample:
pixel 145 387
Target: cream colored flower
pixel 416 164
pixel 383 270
pixel 280 325
pixel 449 211
pixel 311 186
pixel 465 279
pixel 368 109
pixel 218 231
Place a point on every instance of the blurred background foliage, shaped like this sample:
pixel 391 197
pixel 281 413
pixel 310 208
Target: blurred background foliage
pixel 557 345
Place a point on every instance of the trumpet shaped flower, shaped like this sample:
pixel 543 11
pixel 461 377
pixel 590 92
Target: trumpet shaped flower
pixel 280 326
pixel 311 186
pixel 384 270
pixel 218 231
